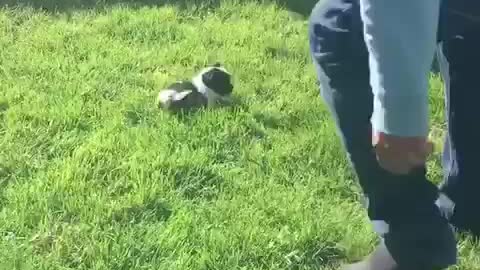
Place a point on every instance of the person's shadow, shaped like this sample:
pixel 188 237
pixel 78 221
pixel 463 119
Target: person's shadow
pixel 302 7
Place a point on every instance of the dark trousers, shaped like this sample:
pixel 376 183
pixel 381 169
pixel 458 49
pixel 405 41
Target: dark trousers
pixel 404 209
pixel 458 57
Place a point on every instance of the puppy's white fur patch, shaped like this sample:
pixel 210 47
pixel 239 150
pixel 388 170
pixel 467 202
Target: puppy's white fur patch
pixel 167 96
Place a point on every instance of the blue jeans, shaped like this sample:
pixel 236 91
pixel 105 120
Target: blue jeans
pixel 405 210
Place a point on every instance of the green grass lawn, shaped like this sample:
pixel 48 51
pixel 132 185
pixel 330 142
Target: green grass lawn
pixel 94 176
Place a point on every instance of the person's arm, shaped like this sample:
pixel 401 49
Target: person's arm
pixel 401 39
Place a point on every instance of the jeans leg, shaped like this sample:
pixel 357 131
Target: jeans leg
pixel 459 56
pixel 403 207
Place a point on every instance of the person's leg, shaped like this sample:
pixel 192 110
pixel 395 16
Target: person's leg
pixel 402 208
pixel 458 58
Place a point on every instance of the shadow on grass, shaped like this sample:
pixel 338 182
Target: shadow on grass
pixel 302 7
pixel 314 255
pixel 5 178
pixel 197 183
pixel 235 103
pixel 149 211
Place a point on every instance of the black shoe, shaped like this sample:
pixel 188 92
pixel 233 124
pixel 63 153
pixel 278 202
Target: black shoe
pixel 460 215
pixel 466 221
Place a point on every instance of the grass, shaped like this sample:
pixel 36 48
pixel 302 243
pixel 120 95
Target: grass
pixel 93 176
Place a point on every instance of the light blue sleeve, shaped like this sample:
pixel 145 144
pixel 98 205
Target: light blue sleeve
pixel 401 40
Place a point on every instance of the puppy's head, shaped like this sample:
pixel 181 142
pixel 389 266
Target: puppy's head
pixel 214 82
pixel 218 79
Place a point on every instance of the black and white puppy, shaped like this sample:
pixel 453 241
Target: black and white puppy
pixel 210 87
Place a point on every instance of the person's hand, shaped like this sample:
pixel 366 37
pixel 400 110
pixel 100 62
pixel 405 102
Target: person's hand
pixel 400 155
